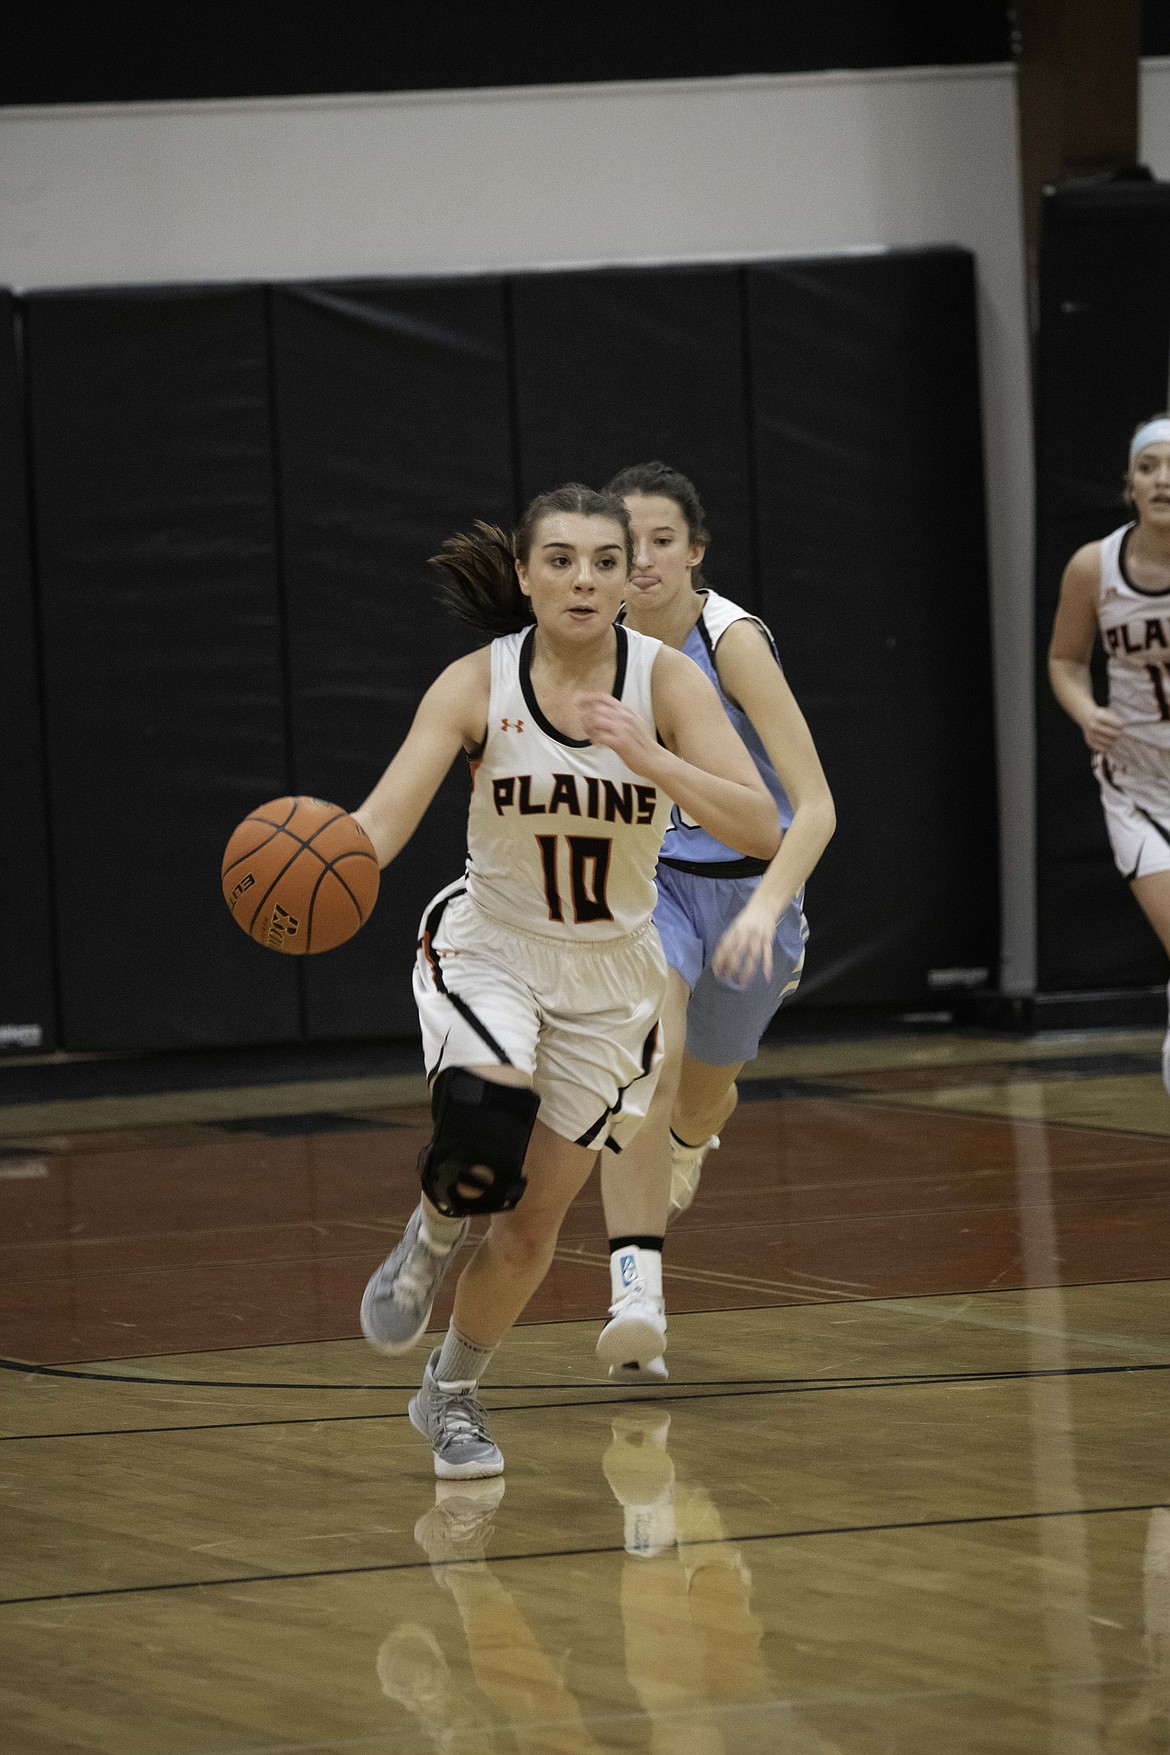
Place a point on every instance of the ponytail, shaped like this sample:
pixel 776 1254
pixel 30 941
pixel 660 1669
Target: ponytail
pixel 475 572
pixel 475 581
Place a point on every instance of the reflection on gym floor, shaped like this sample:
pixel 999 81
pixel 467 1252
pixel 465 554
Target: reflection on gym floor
pixel 692 1643
pixel 906 1489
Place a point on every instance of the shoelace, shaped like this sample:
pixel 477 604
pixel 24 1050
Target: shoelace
pixel 461 1416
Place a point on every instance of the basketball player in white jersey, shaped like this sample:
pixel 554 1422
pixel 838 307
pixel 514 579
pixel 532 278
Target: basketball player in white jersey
pixel 540 974
pixel 1120 588
pixel 733 928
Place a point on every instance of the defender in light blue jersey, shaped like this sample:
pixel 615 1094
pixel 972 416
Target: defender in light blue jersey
pixel 733 929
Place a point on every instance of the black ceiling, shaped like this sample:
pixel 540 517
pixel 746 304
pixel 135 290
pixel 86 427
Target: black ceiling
pixel 176 49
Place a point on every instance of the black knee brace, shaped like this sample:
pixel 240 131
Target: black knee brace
pixel 477 1121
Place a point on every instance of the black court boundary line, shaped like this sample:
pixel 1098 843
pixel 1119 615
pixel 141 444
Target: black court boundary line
pixel 718 1383
pixel 600 1551
pixel 735 1389
pixel 69 1368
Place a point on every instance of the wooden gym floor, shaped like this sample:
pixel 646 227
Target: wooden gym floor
pixel 906 1491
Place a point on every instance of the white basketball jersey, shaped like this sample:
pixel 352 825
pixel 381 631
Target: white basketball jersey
pixel 562 837
pixel 1135 631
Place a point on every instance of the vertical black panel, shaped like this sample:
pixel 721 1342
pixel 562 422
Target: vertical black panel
pixel 394 431
pixel 621 366
pixel 1101 368
pixel 27 997
pixel 162 661
pixel 873 561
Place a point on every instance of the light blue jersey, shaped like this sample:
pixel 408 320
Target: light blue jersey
pixel 703 884
pixel 685 840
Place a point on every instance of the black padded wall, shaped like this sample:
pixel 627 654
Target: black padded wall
pixel 164 687
pixel 27 997
pixel 235 493
pixel 1103 358
pixel 394 431
pixel 619 366
pixel 874 579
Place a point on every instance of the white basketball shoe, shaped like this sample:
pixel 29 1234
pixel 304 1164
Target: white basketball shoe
pixel 685 1164
pixel 636 1331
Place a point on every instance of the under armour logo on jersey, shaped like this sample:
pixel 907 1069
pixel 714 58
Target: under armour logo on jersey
pixel 511 725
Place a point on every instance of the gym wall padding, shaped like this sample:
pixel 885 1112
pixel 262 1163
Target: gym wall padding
pixel 873 572
pixel 164 686
pixel 235 493
pixel 393 431
pixel 1103 358
pixel 27 998
pixel 624 365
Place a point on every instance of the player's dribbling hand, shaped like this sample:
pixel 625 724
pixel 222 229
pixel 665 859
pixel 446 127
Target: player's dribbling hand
pixel 746 946
pixel 1101 730
pixel 614 727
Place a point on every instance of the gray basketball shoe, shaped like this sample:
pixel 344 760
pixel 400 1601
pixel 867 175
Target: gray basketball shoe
pixel 454 1424
pixel 397 1303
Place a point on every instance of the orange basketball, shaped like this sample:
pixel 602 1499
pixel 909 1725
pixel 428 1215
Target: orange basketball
pixel 300 875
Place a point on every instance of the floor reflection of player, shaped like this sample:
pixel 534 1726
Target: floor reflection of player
pixel 1144 1722
pixel 535 1711
pixel 692 1638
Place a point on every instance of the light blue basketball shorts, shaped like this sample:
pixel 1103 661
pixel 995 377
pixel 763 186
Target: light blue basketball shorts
pixel 724 1024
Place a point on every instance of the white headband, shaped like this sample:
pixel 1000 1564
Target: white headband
pixel 1155 432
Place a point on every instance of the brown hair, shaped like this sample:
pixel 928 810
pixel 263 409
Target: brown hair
pixel 475 570
pixel 660 478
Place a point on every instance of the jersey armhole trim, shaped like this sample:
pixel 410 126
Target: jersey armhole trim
pixel 747 616
pixel 1140 590
pixel 712 648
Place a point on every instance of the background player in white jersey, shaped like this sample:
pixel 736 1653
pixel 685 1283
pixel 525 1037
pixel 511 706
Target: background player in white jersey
pixel 540 975
pixel 1120 587
pixel 732 928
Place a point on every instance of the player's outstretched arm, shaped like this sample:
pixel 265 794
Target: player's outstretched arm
pixel 700 762
pixel 1071 648
pixel 451 717
pixel 751 677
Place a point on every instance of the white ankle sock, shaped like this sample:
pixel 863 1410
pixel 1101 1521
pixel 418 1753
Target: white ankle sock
pixel 438 1232
pixel 461 1363
pixel 631 1265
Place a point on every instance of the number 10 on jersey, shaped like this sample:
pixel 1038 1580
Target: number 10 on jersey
pixel 588 862
pixel 1155 676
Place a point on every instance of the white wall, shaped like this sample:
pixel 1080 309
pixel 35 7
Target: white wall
pixel 1154 149
pixel 1155 115
pixel 438 182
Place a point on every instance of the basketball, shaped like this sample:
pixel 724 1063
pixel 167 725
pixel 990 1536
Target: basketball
pixel 300 876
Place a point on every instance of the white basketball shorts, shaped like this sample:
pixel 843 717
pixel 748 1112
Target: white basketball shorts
pixel 1136 800
pixel 580 1019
